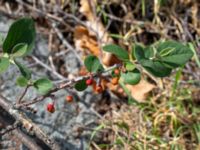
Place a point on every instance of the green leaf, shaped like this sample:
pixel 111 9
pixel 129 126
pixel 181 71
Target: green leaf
pixel 138 52
pixel 160 60
pixel 93 64
pixel 22 81
pixel 129 66
pixel 4 64
pixel 163 46
pixel 24 70
pixel 131 77
pixel 81 85
pixel 21 31
pixel 117 51
pixel 43 85
pixel 156 68
pixel 149 52
pixel 19 50
pixel 174 54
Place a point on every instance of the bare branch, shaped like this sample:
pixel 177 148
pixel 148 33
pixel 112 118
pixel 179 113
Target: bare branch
pixel 48 68
pixel 27 123
pixel 62 86
pixel 23 94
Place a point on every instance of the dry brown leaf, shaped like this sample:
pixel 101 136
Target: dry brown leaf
pixel 97 29
pixel 141 90
pixel 86 42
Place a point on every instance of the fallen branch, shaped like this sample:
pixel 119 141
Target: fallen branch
pixel 25 122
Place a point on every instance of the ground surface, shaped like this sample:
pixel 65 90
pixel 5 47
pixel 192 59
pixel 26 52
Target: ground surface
pixel 168 117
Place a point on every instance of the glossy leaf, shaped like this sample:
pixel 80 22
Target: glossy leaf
pixel 22 81
pixel 43 85
pixel 81 85
pixel 174 54
pixel 149 52
pixel 131 77
pixel 24 70
pixel 117 51
pixel 161 59
pixel 141 52
pixel 138 52
pixel 93 64
pixel 21 31
pixel 163 46
pixel 156 68
pixel 4 64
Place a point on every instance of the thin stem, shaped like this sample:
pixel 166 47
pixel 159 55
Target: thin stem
pixel 65 85
pixel 9 129
pixel 48 68
pixel 23 94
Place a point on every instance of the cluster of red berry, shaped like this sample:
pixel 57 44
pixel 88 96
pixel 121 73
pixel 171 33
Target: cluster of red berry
pixel 97 88
pixel 51 106
pixel 115 79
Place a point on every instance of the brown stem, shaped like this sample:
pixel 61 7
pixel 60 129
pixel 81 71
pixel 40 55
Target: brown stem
pixel 64 85
pixel 23 94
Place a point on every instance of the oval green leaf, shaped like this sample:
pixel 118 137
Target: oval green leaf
pixel 117 51
pixel 81 85
pixel 21 31
pixel 174 54
pixel 156 68
pixel 22 81
pixel 4 64
pixel 138 52
pixel 93 64
pixel 131 77
pixel 43 85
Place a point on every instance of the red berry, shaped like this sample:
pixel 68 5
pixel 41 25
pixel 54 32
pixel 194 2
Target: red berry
pixel 89 81
pixel 117 71
pixel 69 98
pixel 50 108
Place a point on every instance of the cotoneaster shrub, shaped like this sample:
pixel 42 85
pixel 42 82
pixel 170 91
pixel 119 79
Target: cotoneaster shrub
pixel 158 59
